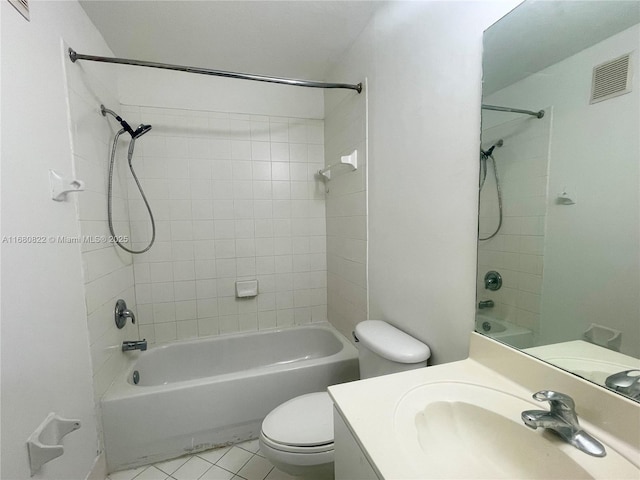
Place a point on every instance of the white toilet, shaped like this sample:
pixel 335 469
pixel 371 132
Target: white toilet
pixel 297 436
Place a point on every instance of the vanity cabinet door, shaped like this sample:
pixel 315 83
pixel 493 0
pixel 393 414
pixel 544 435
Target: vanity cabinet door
pixel 350 461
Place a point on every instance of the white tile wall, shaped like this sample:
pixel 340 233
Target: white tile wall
pixel 516 252
pixel 345 131
pixel 234 198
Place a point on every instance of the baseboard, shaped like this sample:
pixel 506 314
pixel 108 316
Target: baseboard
pixel 99 469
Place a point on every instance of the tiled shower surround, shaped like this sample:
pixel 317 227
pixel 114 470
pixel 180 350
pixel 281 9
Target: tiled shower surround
pixel 234 197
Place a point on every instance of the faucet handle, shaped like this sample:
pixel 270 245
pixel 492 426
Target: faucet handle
pixel 560 404
pixel 121 313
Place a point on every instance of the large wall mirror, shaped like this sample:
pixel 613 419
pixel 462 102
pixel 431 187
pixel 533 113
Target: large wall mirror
pixel 559 226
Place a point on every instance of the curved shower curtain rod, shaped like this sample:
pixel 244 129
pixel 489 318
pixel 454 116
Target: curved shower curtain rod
pixel 74 56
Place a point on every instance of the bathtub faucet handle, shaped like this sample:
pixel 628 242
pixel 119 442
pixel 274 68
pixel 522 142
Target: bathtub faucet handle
pixel 121 313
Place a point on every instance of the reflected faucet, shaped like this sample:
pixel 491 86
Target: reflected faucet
pixel 627 383
pixel 129 345
pixel 485 304
pixel 562 419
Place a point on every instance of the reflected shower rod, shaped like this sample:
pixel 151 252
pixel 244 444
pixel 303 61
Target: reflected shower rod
pixel 74 56
pixel 496 108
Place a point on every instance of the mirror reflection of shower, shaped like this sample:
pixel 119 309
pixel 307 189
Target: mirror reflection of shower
pixel 485 156
pixel 135 134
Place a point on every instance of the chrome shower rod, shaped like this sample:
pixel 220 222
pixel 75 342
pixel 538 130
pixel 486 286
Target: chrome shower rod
pixel 74 56
pixel 538 114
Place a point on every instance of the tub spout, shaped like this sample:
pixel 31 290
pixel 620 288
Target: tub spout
pixel 485 304
pixel 134 345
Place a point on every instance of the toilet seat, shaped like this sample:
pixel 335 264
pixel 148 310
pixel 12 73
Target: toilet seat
pixel 301 425
pixel 295 449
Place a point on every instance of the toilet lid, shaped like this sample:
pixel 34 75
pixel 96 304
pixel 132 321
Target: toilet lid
pixel 304 421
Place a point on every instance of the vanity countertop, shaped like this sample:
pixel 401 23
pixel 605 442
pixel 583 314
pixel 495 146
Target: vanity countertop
pixel 370 406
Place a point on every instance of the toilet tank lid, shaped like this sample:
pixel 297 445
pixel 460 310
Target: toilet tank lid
pixel 391 343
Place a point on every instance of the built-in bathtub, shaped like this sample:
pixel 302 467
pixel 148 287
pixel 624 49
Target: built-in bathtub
pixel 504 331
pixel 196 395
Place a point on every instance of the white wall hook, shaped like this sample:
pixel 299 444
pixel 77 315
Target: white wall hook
pixel 60 186
pixel 44 444
pixel 567 197
pixel 350 160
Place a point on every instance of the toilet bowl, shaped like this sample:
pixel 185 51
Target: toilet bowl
pixel 297 436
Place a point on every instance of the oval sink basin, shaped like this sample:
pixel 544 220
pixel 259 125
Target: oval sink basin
pixel 466 431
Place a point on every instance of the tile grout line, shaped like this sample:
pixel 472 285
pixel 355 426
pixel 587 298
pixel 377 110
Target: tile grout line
pixel 170 476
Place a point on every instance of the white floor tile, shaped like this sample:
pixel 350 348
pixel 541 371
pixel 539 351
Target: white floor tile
pixel 251 446
pixel 276 474
pixel 152 473
pixel 126 474
pixel 217 473
pixel 192 470
pixel 234 459
pixel 256 468
pixel 214 455
pixel 171 466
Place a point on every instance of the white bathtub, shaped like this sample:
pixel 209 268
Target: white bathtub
pixel 504 331
pixel 200 394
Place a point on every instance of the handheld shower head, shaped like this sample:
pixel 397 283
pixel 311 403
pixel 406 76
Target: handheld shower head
pixel 487 153
pixel 141 130
pixel 138 132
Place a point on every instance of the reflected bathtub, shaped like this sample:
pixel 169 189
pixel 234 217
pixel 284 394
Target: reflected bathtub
pixel 195 395
pixel 504 331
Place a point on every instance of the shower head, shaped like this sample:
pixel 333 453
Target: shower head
pixel 487 153
pixel 138 132
pixel 141 130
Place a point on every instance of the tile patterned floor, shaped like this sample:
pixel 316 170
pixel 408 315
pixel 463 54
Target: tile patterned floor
pixel 239 462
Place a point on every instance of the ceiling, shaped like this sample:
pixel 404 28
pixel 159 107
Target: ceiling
pixel 294 39
pixel 538 34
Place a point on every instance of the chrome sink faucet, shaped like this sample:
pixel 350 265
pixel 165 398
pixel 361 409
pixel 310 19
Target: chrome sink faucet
pixel 562 419
pixel 627 383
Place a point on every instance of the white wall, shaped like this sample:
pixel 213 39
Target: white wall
pixel 168 89
pixel 345 131
pixel 592 248
pixel 46 361
pixel 422 61
pixel 107 270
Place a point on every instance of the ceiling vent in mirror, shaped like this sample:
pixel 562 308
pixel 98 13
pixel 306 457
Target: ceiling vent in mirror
pixel 611 79
pixel 22 6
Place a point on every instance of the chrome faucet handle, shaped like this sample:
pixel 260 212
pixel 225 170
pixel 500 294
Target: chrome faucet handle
pixel 561 405
pixel 627 383
pixel 562 418
pixel 121 313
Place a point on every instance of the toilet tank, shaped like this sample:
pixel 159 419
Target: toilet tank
pixel 384 349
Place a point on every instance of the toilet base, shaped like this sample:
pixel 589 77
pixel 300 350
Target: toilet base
pixel 317 472
pixel 306 466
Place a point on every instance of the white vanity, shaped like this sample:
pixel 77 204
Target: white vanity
pixel 462 420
